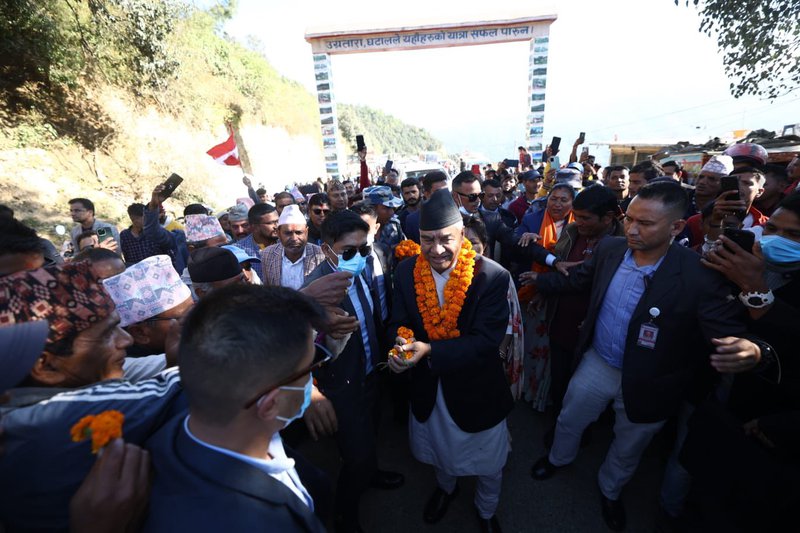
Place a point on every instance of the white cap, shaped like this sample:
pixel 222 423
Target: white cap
pixel 721 165
pixel 291 214
pixel 146 289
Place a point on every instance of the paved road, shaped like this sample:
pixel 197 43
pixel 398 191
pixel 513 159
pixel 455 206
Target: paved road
pixel 568 502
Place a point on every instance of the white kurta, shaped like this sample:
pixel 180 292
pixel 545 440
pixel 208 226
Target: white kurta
pixel 441 443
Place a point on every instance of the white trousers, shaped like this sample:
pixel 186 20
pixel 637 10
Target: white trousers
pixel 487 491
pixel 595 384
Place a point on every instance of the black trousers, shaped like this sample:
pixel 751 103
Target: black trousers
pixel 356 409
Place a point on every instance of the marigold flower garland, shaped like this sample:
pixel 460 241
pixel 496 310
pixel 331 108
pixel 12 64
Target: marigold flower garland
pixel 101 428
pixel 408 335
pixel 406 248
pixel 442 322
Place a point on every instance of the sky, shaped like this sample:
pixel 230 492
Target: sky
pixel 620 70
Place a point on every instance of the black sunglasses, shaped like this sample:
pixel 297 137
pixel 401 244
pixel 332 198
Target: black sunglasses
pixel 349 253
pixel 320 211
pixel 321 356
pixel 472 197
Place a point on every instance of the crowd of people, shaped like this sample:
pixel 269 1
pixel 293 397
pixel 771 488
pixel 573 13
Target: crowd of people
pixel 195 353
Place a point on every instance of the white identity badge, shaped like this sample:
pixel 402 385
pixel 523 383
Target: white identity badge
pixel 648 332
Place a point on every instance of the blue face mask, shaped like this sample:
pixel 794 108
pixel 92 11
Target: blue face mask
pixel 307 388
pixel 780 250
pixel 355 265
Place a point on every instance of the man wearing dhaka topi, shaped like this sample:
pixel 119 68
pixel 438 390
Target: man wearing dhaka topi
pixel 454 303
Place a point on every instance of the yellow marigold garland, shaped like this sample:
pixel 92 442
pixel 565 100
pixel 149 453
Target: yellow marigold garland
pixel 442 322
pixel 101 428
pixel 406 248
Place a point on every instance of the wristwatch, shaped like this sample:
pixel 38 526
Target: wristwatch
pixel 757 300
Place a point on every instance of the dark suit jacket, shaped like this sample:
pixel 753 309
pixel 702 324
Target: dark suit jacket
pixel 469 367
pixel 198 489
pixel 497 231
pixel 350 367
pixel 694 306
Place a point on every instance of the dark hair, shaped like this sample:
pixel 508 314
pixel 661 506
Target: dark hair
pixel 777 171
pixel 521 148
pixel 284 194
pixel 238 340
pixel 195 209
pixel 136 210
pixel 670 194
pixel 476 225
pixel 257 211
pixel 363 208
pixel 85 235
pixel 464 177
pixel 674 164
pixel 395 189
pixel 6 212
pixel 596 199
pixel 409 182
pixel 491 183
pixel 318 199
pixel 791 203
pixel 650 169
pixel 94 255
pixel 432 177
pixel 17 238
pixel 85 202
pixel 260 191
pixel 340 223
pixel 618 168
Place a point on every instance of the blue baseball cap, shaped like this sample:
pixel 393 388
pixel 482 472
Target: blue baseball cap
pixel 240 254
pixel 21 344
pixel 381 195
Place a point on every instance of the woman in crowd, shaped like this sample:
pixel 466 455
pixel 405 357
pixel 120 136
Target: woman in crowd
pixel 538 233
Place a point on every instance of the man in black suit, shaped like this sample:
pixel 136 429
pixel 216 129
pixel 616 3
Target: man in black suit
pixel 654 314
pixel 346 400
pixel 468 195
pixel 459 394
pixel 246 355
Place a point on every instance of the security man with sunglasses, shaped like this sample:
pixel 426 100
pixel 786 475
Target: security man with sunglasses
pixel 468 195
pixel 345 401
pixel 246 375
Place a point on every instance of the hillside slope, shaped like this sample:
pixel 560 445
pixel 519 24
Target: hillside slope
pixel 106 102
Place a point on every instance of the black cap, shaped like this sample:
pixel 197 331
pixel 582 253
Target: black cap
pixel 530 175
pixel 439 212
pixel 211 264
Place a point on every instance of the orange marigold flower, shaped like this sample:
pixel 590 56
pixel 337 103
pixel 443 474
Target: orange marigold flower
pixel 101 428
pixel 441 322
pixel 406 248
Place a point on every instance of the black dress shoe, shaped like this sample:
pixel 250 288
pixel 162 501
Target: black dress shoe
pixel 387 480
pixel 489 525
pixel 613 513
pixel 543 469
pixel 437 505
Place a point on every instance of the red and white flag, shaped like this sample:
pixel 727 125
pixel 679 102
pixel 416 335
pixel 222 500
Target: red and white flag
pixel 226 153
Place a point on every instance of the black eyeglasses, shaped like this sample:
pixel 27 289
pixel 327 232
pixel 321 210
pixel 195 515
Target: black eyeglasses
pixel 472 197
pixel 321 357
pixel 319 212
pixel 349 253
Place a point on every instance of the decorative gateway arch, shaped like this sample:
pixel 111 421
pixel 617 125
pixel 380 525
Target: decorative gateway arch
pixel 325 44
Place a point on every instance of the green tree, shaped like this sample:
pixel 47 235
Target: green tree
pixel 760 41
